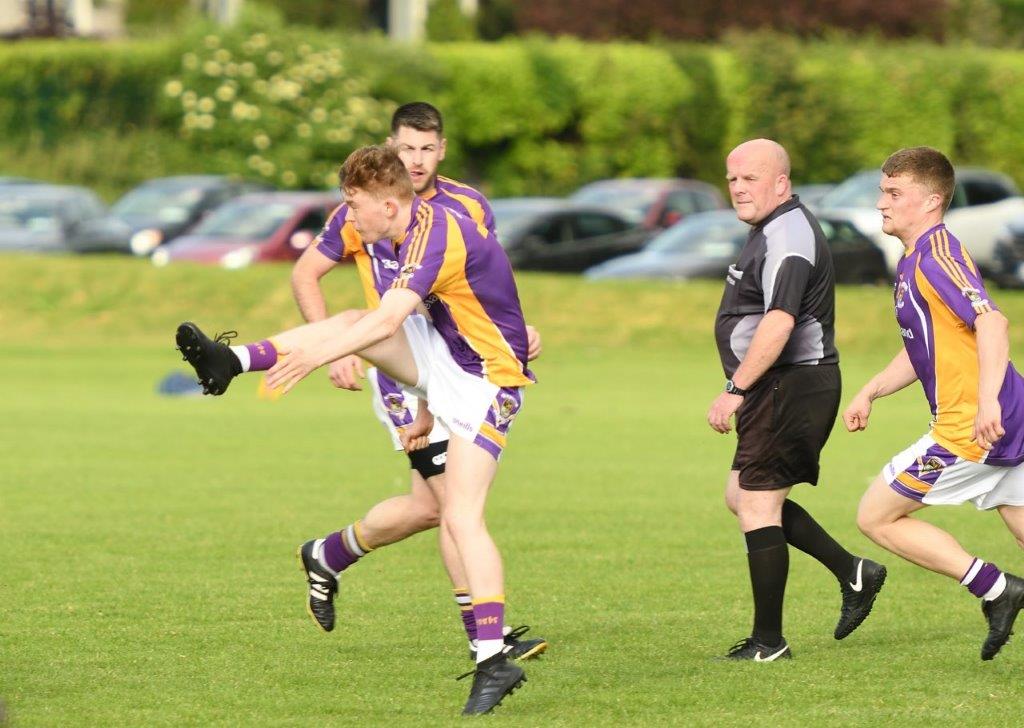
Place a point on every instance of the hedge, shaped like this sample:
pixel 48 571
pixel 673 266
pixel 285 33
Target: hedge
pixel 525 116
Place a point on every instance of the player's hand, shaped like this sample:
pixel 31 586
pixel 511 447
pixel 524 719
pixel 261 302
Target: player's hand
pixel 722 410
pixel 346 372
pixel 856 415
pixel 417 435
pixel 292 367
pixel 988 424
pixel 533 345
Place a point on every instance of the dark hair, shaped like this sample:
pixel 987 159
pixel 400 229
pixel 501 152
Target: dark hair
pixel 418 115
pixel 928 166
pixel 378 171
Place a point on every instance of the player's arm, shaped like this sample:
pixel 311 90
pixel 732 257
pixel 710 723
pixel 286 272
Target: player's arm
pixel 992 332
pixel 337 340
pixel 416 435
pixel 533 345
pixel 311 266
pixel 899 373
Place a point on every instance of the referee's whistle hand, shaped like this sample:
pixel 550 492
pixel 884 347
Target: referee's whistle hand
pixel 722 410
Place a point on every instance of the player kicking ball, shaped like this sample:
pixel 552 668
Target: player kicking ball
pixel 470 364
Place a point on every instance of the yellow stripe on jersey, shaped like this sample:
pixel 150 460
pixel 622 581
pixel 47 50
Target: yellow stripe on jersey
pixel 364 265
pixel 472 321
pixel 940 257
pixel 960 277
pixel 955 361
pixel 418 245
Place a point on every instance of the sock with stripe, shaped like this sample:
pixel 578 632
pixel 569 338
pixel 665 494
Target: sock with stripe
pixel 256 357
pixel 768 559
pixel 984 580
pixel 489 615
pixel 465 602
pixel 343 548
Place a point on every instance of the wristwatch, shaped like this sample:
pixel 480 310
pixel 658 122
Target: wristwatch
pixel 731 388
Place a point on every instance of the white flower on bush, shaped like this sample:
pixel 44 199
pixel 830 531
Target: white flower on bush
pixel 289 178
pixel 206 105
pixel 225 92
pixel 173 88
pixel 205 121
pixel 304 130
pixel 275 58
pixel 254 161
pixel 261 141
pixel 318 115
pixel 231 69
pixel 247 69
pixel 222 55
pixel 190 61
pixel 267 168
pixel 211 68
pixel 211 41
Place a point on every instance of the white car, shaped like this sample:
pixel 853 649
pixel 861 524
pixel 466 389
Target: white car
pixel 983 203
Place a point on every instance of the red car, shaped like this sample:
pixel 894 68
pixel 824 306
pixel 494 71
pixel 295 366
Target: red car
pixel 649 202
pixel 253 228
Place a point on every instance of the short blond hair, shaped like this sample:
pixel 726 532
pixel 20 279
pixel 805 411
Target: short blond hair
pixel 378 171
pixel 927 166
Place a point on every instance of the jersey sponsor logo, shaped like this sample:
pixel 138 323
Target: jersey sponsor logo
pixel 408 271
pixel 505 409
pixel 971 294
pixel 906 333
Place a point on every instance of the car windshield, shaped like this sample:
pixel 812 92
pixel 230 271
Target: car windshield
pixel 168 204
pixel 511 216
pixel 246 219
pixel 630 198
pixel 34 214
pixel 713 236
pixel 861 190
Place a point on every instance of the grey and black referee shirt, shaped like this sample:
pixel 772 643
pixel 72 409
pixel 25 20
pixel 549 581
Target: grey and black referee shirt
pixel 785 264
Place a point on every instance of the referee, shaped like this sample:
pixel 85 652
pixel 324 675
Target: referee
pixel 775 331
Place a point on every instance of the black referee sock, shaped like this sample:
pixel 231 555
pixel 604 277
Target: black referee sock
pixel 768 558
pixel 807 535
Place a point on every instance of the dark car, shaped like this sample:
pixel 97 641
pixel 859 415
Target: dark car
pixel 162 209
pixel 550 233
pixel 705 245
pixel 58 219
pixel 650 202
pixel 253 228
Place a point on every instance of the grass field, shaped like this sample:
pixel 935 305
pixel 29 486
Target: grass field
pixel 148 574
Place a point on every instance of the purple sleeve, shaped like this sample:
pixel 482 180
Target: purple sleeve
pixel 958 285
pixel 422 257
pixel 329 241
pixel 488 217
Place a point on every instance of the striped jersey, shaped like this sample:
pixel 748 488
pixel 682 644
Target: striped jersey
pixel 465 279
pixel 377 262
pixel 938 295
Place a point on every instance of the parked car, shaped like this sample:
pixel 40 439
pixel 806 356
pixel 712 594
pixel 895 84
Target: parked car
pixel 58 219
pixel 161 209
pixel 253 228
pixel 1009 254
pixel 650 202
pixel 983 203
pixel 812 194
pixel 550 233
pixel 4 181
pixel 706 244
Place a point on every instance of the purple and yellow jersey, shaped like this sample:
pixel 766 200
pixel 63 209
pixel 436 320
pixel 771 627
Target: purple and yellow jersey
pixel 938 296
pixel 377 263
pixel 463 276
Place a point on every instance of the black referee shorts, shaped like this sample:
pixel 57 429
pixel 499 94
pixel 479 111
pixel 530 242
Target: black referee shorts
pixel 783 424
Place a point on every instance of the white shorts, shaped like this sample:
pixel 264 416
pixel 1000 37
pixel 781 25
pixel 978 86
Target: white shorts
pixel 468 406
pixel 929 473
pixel 396 408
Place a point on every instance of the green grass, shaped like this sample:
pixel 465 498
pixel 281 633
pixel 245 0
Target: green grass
pixel 148 573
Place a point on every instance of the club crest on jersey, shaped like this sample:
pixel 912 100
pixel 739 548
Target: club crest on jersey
pixel 929 465
pixel 902 288
pixel 395 404
pixel 505 408
pixel 973 295
pixel 408 270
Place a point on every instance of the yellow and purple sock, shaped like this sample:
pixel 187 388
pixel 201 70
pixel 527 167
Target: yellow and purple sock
pixel 257 357
pixel 465 603
pixel 344 548
pixel 489 615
